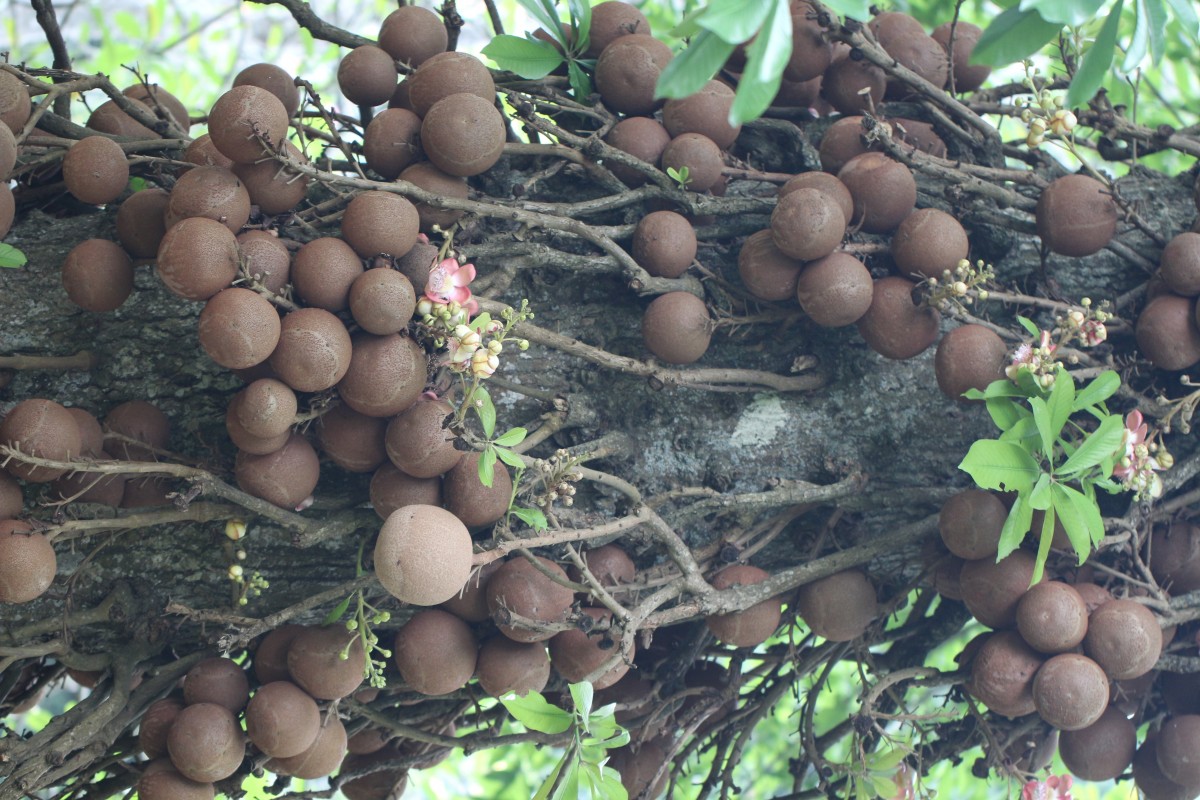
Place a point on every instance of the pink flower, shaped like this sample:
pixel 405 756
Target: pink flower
pixel 1140 461
pixel 1056 787
pixel 449 282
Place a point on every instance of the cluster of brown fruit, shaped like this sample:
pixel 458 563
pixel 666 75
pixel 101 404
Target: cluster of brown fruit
pixel 1071 652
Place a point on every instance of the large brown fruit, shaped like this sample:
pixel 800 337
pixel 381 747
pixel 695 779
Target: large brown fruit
pixel 265 258
pixel 611 20
pixel 970 524
pixel 884 191
pixel 964 76
pixel 238 328
pixel 321 758
pixel 807 224
pixel 313 352
pixel 217 680
pixel 418 441
pixel 205 742
pixel 212 192
pixel 241 116
pixel 835 290
pixel 432 179
pixel 392 489
pixel 351 440
pixel 700 156
pixel 1179 749
pixel 270 658
pixel 1101 751
pixel 928 243
pixel 627 72
pixel 27 562
pixel 41 428
pixel 507 666
pixel 904 39
pixel 315 661
pixel 992 589
pixel 1070 691
pixel 274 187
pixel 436 652
pixel 838 607
pixel 140 226
pixel 1167 333
pixel 1052 617
pixel 97 275
pixel 1124 638
pixel 445 74
pixel 969 357
pixel 197 258
pixel 469 500
pixel 412 35
pixel 95 170
pixel 423 555
pixel 641 137
pixel 463 134
pixel 1002 674
pixel 664 244
pixel 1148 776
pixel 367 75
pixel 706 112
pixel 283 478
pixel 1076 216
pixel 392 140
pixel 155 724
pixel 1180 264
pixel 751 626
pixel 282 720
pixel 519 589
pixel 381 222
pixel 167 783
pixel 676 327
pixel 385 376
pixel 894 326
pixel 575 654
pixel 323 270
pixel 1174 556
pixel 275 80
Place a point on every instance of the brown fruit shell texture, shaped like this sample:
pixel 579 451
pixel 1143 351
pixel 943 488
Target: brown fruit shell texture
pixel 1071 691
pixel 283 478
pixel 42 428
pixel 413 35
pixel 506 666
pixel 97 275
pixel 205 742
pixel 468 499
pixel 839 607
pixel 1076 216
pixel 1002 674
pixel 969 357
pixel 435 652
pixel 627 71
pixel 217 680
pixel 423 555
pixel 282 720
pixel 27 562
pixel 676 327
pixel 1101 751
pixel 315 663
pixel 1124 638
pixel 992 589
pixel 894 326
pixel 752 626
pixel 575 654
pixel 95 170
pixel 520 587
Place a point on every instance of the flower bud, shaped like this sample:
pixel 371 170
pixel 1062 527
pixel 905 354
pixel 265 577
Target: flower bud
pixel 235 529
pixel 235 571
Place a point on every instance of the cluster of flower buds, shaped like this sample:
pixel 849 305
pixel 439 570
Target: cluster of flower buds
pixel 1085 324
pixel 1144 456
pixel 1045 113
pixel 255 585
pixel 1038 360
pixel 962 285
pixel 448 302
pixel 558 475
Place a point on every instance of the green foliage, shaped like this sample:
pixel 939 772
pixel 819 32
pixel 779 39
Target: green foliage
pixel 581 771
pixel 1052 462
pixel 536 58
pixel 11 257
pixel 681 176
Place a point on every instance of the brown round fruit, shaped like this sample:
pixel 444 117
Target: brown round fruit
pixel 970 524
pixel 239 328
pixel 27 562
pixel 282 720
pixel 641 137
pixel 928 243
pixel 266 259
pixel 1179 749
pixel 380 222
pixel 838 607
pixel 95 170
pixel 575 654
pixel 314 350
pixel 894 326
pixel 15 105
pixel 270 658
pixel 699 155
pixel 825 183
pixel 767 272
pixel 267 407
pixel 240 117
pixel 41 428
pixel 97 275
pixel 853 86
pixel 275 80
pixel 468 499
pixel 835 290
pixel 322 272
pixel 385 376
pixel 275 187
pixel 884 191
pixel 283 478
pixel 751 626
pixel 217 680
pixel 321 758
pixel 197 258
pixel 1070 691
pixel 676 327
pixel 1002 674
pixel 315 662
pixel 965 76
pixel 212 192
pixel 627 72
pixel 428 177
pixel 423 555
pixel 435 652
pixel 353 441
pixel 1101 751
pixel 392 140
pixel 156 722
pixel 167 783
pixel 807 224
pixel 205 742
pixel 1149 778
pixel 419 444
pixel 1179 264
pixel 705 112
pixel 463 134
pixel 1076 216
pixel 969 357
pixel 611 20
pixel 1167 333
pixel 664 244
pixel 992 589
pixel 519 589
pixel 1124 638
pixel 392 489
pixel 506 666
pixel 1174 556
pixel 367 75
pixel 413 35
pixel 141 421
pixel 445 74
pixel 140 226
pixel 1052 617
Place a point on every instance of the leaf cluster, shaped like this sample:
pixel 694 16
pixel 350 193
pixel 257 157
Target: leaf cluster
pixel 534 58
pixel 1056 447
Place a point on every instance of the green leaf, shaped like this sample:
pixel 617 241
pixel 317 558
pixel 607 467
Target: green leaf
pixel 1047 536
pixel 858 9
pixel 480 322
pixel 1016 525
pixel 543 11
pixel 338 611
pixel 1067 12
pixel 1030 327
pixel 882 786
pixel 137 183
pixel 1000 465
pixel 1012 36
pixel 735 21
pixel 1186 18
pixel 687 72
pixel 1102 387
pixel 509 457
pixel 548 785
pixel 1073 522
pixel 11 257
pixel 481 402
pixel 1102 443
pixel 1024 434
pixel 1096 61
pixel 1088 509
pixel 1061 401
pixel 581 84
pixel 582 694
pixel 568 787
pixel 529 58
pixel 487 466
pixel 606 782
pixel 689 26
pixel 535 713
pixel 1139 42
pixel 766 58
pixel 1158 27
pixel 1039 498
pixel 1041 418
pixel 884 760
pixel 511 437
pixel 581 20
pixel 532 517
pixel 1005 413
